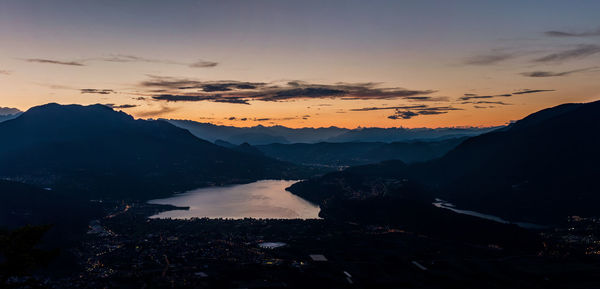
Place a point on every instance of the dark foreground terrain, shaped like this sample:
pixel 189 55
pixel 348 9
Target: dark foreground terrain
pixel 125 249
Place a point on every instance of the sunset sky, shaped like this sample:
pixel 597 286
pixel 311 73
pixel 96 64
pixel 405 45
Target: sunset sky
pixel 303 63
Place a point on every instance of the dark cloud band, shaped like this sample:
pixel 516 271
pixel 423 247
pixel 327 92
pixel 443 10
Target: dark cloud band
pixel 242 92
pixel 97 91
pixel 577 52
pixel 51 61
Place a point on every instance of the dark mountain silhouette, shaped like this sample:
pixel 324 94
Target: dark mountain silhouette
pixel 543 167
pixel 98 152
pixel 540 169
pixel 22 204
pixel 261 135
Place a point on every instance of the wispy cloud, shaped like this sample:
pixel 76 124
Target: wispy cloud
pixel 467 97
pixel 192 97
pixel 493 57
pixel 528 91
pixel 555 74
pixel 152 113
pixel 203 64
pixel 52 61
pixel 124 58
pixel 486 102
pixel 229 91
pixel 410 111
pixel 133 58
pixel 427 98
pixel 170 83
pixel 263 119
pixel 580 51
pixel 120 106
pixel 96 91
pixel 5 72
pixel 557 33
pixel 420 106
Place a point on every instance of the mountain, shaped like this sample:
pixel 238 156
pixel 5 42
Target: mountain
pixel 256 135
pixel 358 153
pixel 22 204
pixel 539 169
pixel 7 113
pixel 543 167
pixel 262 135
pixel 375 134
pixel 95 151
pixel 8 116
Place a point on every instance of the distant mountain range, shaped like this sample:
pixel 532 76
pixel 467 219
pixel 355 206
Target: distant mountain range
pixel 339 155
pixel 260 135
pixel 7 113
pixel 8 116
pixel 539 169
pixel 94 151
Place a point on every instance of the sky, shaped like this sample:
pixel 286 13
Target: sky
pixel 303 63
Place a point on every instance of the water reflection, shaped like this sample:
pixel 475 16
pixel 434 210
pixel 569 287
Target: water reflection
pixel 445 205
pixel 262 199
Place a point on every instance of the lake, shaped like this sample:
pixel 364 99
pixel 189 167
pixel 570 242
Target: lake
pixel 266 199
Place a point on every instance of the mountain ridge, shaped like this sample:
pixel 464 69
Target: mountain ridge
pixel 263 135
pixel 102 152
pixel 540 169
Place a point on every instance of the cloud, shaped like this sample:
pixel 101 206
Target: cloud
pixel 490 58
pixel 51 61
pixel 122 106
pixel 166 83
pixel 97 91
pixel 486 102
pixel 132 58
pixel 555 33
pixel 421 106
pixel 410 111
pixel 261 119
pixel 527 91
pixel 555 74
pixel 190 98
pixel 161 111
pixel 242 92
pixel 403 114
pixel 5 72
pixel 203 64
pixel 427 98
pixel 579 51
pixel 467 97
pixel 125 58
pixel 8 110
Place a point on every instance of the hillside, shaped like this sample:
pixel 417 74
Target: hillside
pixel 97 152
pixel 358 153
pixel 540 169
